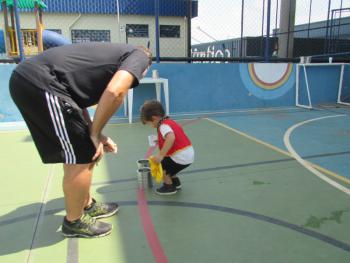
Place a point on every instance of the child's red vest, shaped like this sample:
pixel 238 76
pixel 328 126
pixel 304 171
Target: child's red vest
pixel 181 140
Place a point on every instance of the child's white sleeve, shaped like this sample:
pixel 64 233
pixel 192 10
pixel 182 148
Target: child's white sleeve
pixel 165 129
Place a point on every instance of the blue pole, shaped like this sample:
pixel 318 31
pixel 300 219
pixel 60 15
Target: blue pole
pixel 18 30
pixel 156 9
pixel 267 43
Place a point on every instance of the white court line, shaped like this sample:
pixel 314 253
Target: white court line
pixel 330 173
pixel 73 250
pixel 41 213
pixel 307 165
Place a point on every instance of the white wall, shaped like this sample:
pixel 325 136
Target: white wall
pixel 169 47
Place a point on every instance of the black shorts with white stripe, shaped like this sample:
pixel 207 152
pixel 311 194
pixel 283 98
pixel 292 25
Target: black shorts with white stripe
pixel 56 123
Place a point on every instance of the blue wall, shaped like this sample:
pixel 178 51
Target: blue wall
pixel 212 87
pixel 198 88
pixel 323 85
pixel 345 96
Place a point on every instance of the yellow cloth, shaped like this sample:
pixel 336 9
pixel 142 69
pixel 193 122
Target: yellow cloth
pixel 156 169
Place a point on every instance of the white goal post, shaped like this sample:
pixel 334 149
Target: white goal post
pixel 303 67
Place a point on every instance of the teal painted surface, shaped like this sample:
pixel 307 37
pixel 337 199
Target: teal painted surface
pixel 323 84
pixel 324 142
pixel 8 111
pixel 199 88
pixel 213 87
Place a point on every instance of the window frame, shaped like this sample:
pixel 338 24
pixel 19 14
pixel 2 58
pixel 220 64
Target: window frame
pixel 135 32
pixel 176 35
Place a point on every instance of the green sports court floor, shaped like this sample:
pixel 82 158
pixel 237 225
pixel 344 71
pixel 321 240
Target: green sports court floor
pixel 245 198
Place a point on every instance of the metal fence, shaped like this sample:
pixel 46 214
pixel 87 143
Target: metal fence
pixel 272 29
pixel 203 30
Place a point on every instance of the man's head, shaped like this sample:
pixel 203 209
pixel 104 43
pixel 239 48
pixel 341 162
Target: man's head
pixel 151 112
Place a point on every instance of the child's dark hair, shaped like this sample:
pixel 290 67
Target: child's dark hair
pixel 151 108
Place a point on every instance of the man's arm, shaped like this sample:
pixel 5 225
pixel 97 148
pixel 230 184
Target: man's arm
pixel 108 144
pixel 110 101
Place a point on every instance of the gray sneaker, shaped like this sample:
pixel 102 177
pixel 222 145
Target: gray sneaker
pixel 86 226
pixel 101 210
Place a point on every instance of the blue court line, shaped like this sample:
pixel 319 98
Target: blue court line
pixel 259 217
pixel 230 167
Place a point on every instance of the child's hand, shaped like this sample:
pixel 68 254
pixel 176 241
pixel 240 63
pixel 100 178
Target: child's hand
pixel 158 158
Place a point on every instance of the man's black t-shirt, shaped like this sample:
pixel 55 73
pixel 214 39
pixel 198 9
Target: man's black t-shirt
pixel 82 71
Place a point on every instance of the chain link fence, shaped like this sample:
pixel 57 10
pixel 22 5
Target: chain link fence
pixel 183 29
pixel 271 29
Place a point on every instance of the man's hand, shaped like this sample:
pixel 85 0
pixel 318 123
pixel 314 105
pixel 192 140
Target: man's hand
pixel 99 148
pixel 109 145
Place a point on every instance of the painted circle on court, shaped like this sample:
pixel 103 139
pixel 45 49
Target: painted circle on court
pixel 267 80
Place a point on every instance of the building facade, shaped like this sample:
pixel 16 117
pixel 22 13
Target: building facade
pixel 123 21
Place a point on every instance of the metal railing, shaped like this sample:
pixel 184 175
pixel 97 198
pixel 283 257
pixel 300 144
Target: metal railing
pixel 29 40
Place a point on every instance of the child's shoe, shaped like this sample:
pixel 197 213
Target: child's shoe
pixel 176 182
pixel 166 189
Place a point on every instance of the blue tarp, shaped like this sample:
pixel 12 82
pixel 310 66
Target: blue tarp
pixel 2 42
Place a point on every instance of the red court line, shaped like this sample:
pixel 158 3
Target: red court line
pixel 149 151
pixel 194 120
pixel 146 220
pixel 151 235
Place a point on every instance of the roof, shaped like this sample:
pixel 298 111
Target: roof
pixel 29 4
pixel 176 8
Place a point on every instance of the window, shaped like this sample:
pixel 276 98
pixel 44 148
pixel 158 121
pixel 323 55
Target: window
pixel 135 30
pixel 80 36
pixel 169 31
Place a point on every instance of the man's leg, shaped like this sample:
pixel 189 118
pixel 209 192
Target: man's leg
pixel 76 187
pixel 80 222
